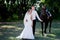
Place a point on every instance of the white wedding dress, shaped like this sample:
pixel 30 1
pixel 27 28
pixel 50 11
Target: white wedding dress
pixel 27 31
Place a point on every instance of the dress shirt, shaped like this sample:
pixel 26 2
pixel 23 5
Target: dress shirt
pixel 34 15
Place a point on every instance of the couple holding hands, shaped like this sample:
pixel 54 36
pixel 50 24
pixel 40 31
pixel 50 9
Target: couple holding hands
pixel 29 25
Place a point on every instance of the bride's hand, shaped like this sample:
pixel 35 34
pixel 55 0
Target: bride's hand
pixel 26 20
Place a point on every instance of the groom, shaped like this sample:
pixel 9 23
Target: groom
pixel 34 15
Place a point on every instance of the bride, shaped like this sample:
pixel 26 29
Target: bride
pixel 27 31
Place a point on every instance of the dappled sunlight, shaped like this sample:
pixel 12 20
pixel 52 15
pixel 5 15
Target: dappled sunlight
pixel 51 35
pixel 11 38
pixel 40 37
pixel 38 29
pixel 9 32
pixel 1 33
pixel 37 33
pixel 57 29
pixel 7 26
pixel 18 28
pixel 57 39
pixel 50 38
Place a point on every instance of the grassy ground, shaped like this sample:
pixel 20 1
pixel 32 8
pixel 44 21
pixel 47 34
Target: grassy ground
pixel 10 31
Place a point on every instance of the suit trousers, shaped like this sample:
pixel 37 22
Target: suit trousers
pixel 34 24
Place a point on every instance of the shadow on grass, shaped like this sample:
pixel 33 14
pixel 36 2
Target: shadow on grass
pixel 11 32
pixel 8 32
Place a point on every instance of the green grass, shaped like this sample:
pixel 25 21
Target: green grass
pixel 10 32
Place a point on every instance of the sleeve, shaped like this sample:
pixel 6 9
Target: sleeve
pixel 38 17
pixel 25 19
pixel 31 20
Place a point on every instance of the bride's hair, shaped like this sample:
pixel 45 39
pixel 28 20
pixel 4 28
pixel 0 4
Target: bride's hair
pixel 29 10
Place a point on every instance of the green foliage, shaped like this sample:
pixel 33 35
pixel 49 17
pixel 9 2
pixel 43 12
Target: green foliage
pixel 15 11
pixel 15 17
pixel 55 6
